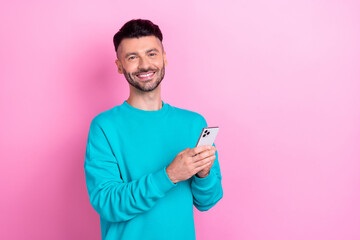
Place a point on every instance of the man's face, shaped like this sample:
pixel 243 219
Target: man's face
pixel 142 61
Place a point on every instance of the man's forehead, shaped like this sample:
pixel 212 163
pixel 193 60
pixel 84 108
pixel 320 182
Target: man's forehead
pixel 141 44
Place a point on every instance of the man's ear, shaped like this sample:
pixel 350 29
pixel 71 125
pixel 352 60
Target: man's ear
pixel 118 65
pixel 165 59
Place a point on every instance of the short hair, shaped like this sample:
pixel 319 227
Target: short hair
pixel 137 28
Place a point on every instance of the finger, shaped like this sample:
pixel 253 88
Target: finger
pixel 204 154
pixel 204 161
pixel 198 150
pixel 202 167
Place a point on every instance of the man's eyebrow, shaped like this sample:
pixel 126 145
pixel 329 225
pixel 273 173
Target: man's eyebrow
pixel 152 50
pixel 147 51
pixel 131 53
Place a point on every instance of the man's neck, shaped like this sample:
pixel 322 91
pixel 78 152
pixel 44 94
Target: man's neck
pixel 145 102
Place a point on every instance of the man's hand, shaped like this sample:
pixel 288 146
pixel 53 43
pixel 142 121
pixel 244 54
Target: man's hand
pixel 191 161
pixel 205 172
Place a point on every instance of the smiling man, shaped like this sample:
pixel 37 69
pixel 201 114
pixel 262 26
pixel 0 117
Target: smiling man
pixel 149 56
pixel 143 171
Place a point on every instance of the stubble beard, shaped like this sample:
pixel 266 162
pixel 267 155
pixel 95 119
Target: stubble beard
pixel 145 86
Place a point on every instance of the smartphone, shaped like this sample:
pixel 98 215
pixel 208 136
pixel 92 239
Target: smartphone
pixel 207 136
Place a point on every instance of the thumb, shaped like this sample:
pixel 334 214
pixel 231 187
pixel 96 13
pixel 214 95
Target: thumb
pixel 186 149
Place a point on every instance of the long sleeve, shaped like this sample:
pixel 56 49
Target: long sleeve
pixel 112 198
pixel 207 191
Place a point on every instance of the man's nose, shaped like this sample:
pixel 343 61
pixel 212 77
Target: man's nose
pixel 144 63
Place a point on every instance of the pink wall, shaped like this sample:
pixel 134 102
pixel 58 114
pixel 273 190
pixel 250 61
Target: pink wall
pixel 280 78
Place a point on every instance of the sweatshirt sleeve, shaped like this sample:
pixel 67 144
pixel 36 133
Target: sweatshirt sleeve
pixel 207 191
pixel 114 199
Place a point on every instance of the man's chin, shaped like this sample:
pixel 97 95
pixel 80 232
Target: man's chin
pixel 144 85
pixel 145 89
pixel 144 81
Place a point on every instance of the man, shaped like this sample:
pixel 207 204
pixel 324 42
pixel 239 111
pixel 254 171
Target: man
pixel 141 174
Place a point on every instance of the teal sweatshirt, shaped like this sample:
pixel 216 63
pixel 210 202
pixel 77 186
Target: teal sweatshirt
pixel 127 152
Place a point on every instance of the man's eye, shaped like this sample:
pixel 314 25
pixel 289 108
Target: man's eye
pixel 131 58
pixel 152 54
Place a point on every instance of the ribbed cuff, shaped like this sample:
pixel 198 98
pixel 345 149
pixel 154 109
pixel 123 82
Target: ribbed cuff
pixel 162 181
pixel 209 180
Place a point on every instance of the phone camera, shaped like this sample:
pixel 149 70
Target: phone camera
pixel 206 133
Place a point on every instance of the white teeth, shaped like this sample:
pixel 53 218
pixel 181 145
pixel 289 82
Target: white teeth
pixel 146 75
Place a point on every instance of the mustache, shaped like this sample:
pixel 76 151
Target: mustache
pixel 145 71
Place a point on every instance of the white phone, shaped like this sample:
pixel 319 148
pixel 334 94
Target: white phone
pixel 207 137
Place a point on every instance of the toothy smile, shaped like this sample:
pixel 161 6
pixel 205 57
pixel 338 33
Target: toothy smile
pixel 145 76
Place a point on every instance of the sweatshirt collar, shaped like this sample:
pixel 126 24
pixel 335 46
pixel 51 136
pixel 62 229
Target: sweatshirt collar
pixel 145 113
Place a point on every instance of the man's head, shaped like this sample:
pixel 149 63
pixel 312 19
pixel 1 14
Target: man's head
pixel 137 28
pixel 140 54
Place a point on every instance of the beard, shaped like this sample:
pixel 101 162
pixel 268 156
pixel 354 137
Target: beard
pixel 146 86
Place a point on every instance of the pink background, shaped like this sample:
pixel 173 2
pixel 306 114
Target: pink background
pixel 280 78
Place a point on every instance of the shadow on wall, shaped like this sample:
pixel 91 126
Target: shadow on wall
pixel 95 78
pixel 94 86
